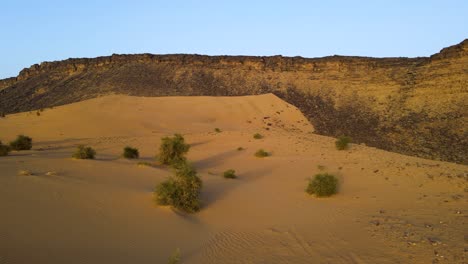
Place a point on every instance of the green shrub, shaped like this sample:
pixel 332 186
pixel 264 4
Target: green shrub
pixel 342 142
pixel 257 136
pixel 83 152
pixel 230 174
pixel 21 143
pixel 173 149
pixel 130 153
pixel 261 153
pixel 181 191
pixel 217 130
pixel 4 149
pixel 323 184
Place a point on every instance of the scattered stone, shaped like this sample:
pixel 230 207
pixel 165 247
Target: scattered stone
pixel 375 222
pixel 51 173
pixel 376 171
pixel 434 241
pixel 382 211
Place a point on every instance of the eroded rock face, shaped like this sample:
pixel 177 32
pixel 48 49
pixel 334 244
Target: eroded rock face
pixel 415 106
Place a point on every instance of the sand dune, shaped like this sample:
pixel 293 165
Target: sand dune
pixel 390 208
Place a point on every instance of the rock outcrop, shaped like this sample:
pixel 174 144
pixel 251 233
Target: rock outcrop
pixel 415 106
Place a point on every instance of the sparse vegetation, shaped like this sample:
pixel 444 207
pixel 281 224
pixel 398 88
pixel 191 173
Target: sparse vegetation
pixel 261 153
pixel 217 130
pixel 22 142
pixel 25 173
pixel 175 257
pixel 181 191
pixel 240 148
pixel 257 136
pixel 130 153
pixel 145 163
pixel 230 174
pixel 172 150
pixel 4 149
pixel 320 167
pixel 323 184
pixel 84 152
pixel 342 142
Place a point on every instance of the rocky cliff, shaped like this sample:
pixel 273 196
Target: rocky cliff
pixel 415 106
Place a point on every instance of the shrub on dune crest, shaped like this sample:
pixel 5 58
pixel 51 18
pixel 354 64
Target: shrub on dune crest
pixel 83 152
pixel 173 149
pixel 130 153
pixel 22 142
pixel 342 142
pixel 323 184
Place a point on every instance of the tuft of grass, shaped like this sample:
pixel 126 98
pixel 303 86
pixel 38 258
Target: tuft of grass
pixel 181 191
pixel 175 257
pixel 322 185
pixel 230 174
pixel 83 152
pixel 172 150
pixel 240 148
pixel 217 130
pixel 145 163
pixel 261 153
pixel 4 149
pixel 342 143
pixel 25 173
pixel 38 113
pixel 22 142
pixel 130 153
pixel 257 136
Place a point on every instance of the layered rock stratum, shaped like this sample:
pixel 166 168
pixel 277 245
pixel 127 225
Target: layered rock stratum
pixel 414 106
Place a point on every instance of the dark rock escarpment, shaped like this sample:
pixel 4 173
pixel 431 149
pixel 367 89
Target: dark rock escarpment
pixel 415 106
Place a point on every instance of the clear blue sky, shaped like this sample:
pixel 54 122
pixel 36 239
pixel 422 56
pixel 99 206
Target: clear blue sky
pixel 36 31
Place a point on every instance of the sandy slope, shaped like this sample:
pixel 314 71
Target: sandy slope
pixel 390 209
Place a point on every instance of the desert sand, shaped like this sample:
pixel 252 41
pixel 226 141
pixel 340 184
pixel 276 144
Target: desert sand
pixel 390 208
